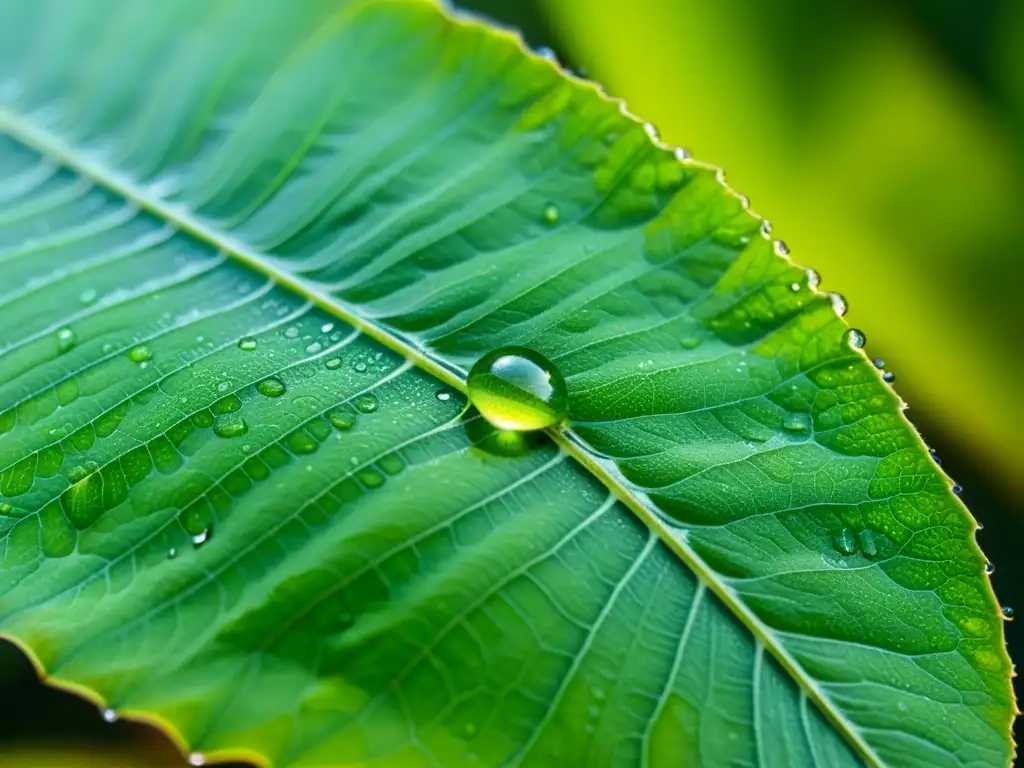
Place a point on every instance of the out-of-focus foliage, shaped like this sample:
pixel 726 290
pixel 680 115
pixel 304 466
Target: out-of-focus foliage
pixel 894 173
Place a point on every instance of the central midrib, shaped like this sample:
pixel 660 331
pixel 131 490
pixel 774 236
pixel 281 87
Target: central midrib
pixel 57 149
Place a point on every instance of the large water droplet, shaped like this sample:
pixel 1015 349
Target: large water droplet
pixel 519 389
pixel 341 420
pixel 65 340
pixel 271 388
pixel 867 543
pixel 366 403
pixel 333 364
pixel 888 377
pixel 230 426
pixel 989 568
pixel 845 542
pixel 855 338
pixel 781 248
pixel 797 423
pixel 139 354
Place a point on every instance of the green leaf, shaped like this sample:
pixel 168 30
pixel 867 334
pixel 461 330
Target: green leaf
pixel 249 251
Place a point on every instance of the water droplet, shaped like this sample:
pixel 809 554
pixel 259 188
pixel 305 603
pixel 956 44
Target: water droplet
pixel 196 758
pixel 838 303
pixel 444 395
pixel 198 539
pixel 366 403
pixel 797 423
pixel 794 287
pixel 879 363
pixel 813 279
pixel 690 342
pixel 292 332
pixel 315 347
pixel 1008 613
pixel 248 344
pixel 172 553
pixel 5 508
pixel 856 339
pixel 935 456
pixel 271 388
pixel 139 354
pixel 867 543
pixel 223 386
pixel 88 296
pixel 333 364
pixel 766 227
pixel 109 715
pixel 957 489
pixel 888 377
pixel 326 327
pixel 65 340
pixel 598 693
pixel 989 568
pixel 360 367
pixel 845 542
pixel 781 248
pixel 681 154
pixel 342 420
pixel 550 214
pixel 519 389
pixel 230 426
pixel 106 349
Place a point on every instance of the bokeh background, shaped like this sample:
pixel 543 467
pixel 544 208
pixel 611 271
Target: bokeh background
pixel 884 139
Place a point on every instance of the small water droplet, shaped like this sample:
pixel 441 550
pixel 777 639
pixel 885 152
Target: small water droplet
pixel 109 715
pixel 989 568
pixel 845 542
pixel 333 364
pixel 106 349
pixel 292 332
pixel 781 248
pixel 856 339
pixel 867 543
pixel 681 154
pixel 550 214
pixel 766 227
pixel 838 303
pixel 957 489
pixel 230 426
pixel 172 553
pixel 223 386
pixel 879 363
pixel 65 340
pixel 444 395
pixel 813 279
pixel 5 508
pixel 518 389
pixel 360 367
pixel 797 423
pixel 198 539
pixel 888 377
pixel 1008 613
pixel 139 354
pixel 271 387
pixel 196 758
pixel 690 342
pixel 248 344
pixel 366 403
pixel 935 456
pixel 315 347
pixel 88 296
pixel 341 419
pixel 326 327
pixel 794 287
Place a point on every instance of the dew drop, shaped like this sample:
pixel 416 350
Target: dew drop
pixel 444 395
pixel 230 426
pixel 366 404
pixel 65 340
pixel 845 542
pixel 935 456
pixel 838 303
pixel 813 279
pixel 519 389
pixel 360 367
pixel 139 354
pixel 326 327
pixel 856 339
pixel 196 758
pixel 223 387
pixel 550 214
pixel 106 349
pixel 957 489
pixel 248 344
pixel 797 423
pixel 1008 613
pixel 681 154
pixel 989 568
pixel 690 342
pixel 342 420
pixel 879 363
pixel 88 296
pixel 109 715
pixel 5 508
pixel 766 227
pixel 794 287
pixel 781 248
pixel 292 332
pixel 315 347
pixel 271 388
pixel 867 543
pixel 198 539
pixel 888 377
pixel 333 364
pixel 172 553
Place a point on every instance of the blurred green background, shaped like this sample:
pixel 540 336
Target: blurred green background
pixel 884 139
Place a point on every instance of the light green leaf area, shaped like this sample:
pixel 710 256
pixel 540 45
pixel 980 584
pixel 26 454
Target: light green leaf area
pixel 248 251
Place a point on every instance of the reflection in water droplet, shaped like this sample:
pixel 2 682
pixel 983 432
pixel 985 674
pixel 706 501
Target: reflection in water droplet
pixel 366 403
pixel 139 354
pixel 550 214
pixel 271 388
pixel 855 338
pixel 230 426
pixel 845 542
pixel 518 389
pixel 248 344
pixel 797 423
pixel 65 339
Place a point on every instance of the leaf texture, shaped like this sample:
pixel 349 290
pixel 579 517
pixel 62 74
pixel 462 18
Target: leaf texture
pixel 248 252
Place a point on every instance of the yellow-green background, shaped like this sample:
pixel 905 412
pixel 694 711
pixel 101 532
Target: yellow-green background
pixel 884 139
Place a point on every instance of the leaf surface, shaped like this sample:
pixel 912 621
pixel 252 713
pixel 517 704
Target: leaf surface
pixel 248 252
